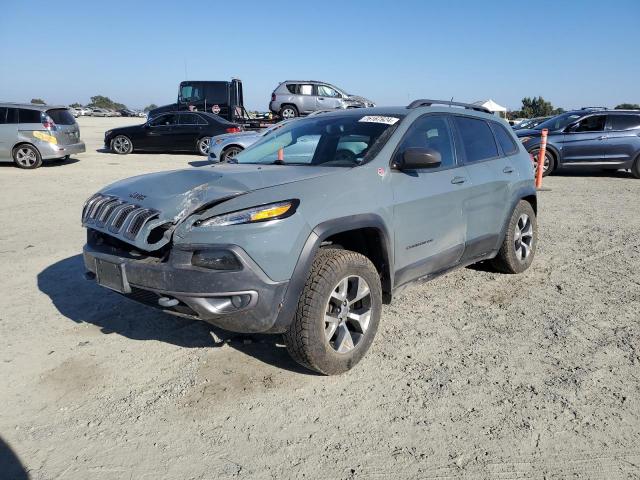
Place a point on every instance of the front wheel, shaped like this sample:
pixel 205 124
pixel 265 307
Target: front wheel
pixel 121 145
pixel 635 169
pixel 338 312
pixel 549 162
pixel 203 145
pixel 520 241
pixel 230 153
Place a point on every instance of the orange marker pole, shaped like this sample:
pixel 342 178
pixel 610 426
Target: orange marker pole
pixel 281 154
pixel 541 155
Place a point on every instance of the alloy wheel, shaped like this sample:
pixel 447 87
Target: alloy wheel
pixel 545 165
pixel 288 113
pixel 523 238
pixel 348 313
pixel 26 157
pixel 203 145
pixel 121 144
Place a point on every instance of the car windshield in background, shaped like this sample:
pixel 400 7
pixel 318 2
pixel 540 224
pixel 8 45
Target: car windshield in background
pixel 336 141
pixel 61 116
pixel 558 122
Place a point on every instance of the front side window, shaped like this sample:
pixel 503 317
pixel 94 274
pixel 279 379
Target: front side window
pixel 338 141
pixel 431 132
pixel 509 146
pixel 594 123
pixel 164 120
pixel 191 93
pixel 477 139
pixel 324 91
pixel 624 122
pixel 29 116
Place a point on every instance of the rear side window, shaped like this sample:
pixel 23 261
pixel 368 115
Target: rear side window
pixel 305 89
pixel 191 119
pixel 477 139
pixel 12 115
pixel 3 115
pixel 61 116
pixel 28 116
pixel 622 122
pixel 505 140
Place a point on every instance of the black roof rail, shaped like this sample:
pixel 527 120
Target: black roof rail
pixel 425 102
pixel 594 108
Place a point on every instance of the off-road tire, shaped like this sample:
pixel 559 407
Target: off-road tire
pixel 507 260
pixel 229 153
pixel 26 156
pixel 291 108
pixel 305 339
pixel 548 157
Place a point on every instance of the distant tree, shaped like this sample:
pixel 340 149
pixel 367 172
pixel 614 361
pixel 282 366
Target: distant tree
pixel 38 101
pixel 536 107
pixel 75 105
pixel 100 101
pixel 628 106
pixel 150 107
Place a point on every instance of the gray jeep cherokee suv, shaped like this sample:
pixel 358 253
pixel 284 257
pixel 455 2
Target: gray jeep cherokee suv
pixel 314 227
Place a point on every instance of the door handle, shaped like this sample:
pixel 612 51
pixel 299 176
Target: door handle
pixel 458 180
pixel 507 170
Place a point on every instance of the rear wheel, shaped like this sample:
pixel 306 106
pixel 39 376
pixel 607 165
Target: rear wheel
pixel 121 145
pixel 520 241
pixel 288 111
pixel 203 145
pixel 549 162
pixel 230 153
pixel 338 312
pixel 635 169
pixel 26 156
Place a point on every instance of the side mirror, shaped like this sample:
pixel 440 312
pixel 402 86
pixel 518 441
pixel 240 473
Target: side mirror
pixel 147 125
pixel 416 158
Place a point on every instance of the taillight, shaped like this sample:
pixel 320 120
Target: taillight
pixel 47 122
pixel 233 130
pixel 273 97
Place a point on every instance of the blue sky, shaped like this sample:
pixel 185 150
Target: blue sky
pixel 573 53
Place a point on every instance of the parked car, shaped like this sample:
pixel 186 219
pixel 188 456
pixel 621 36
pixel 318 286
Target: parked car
pixel 31 133
pixel 99 112
pixel 606 139
pixel 173 131
pixel 84 111
pixel 225 147
pixel 530 123
pixel 305 237
pixel 125 112
pixel 141 114
pixel 293 98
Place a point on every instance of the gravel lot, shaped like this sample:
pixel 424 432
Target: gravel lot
pixel 474 375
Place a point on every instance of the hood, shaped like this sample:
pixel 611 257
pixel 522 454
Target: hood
pixel 127 129
pixel 231 136
pixel 358 99
pixel 528 132
pixel 164 199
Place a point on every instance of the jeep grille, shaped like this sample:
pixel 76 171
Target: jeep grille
pixel 117 216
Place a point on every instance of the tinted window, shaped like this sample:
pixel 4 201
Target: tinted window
pixel 61 116
pixel 28 116
pixel 431 131
pixel 216 93
pixel 3 115
pixel 12 115
pixel 477 139
pixel 191 93
pixel 595 123
pixel 190 119
pixel 505 140
pixel 622 122
pixel 292 87
pixel 170 119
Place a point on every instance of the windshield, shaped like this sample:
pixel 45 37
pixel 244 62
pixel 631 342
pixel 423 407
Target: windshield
pixel 336 141
pixel 558 122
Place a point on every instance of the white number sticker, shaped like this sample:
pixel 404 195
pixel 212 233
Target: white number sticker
pixel 379 119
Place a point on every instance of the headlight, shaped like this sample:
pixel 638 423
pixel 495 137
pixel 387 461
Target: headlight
pixel 272 211
pixel 525 139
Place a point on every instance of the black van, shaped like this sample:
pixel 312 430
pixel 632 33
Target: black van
pixel 218 97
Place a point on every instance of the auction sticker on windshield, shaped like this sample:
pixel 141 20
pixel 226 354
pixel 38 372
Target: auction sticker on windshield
pixel 379 119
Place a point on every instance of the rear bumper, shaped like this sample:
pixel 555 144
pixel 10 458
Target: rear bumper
pixel 245 300
pixel 50 150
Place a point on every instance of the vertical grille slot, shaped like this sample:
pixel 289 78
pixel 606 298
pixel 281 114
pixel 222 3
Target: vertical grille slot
pixel 120 218
pixel 137 222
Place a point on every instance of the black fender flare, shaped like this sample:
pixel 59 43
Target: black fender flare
pixel 322 231
pixel 520 194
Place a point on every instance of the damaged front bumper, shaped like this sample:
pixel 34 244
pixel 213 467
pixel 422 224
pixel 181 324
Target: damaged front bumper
pixel 244 300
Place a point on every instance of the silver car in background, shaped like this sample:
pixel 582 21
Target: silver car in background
pixel 293 98
pixel 31 133
pixel 226 146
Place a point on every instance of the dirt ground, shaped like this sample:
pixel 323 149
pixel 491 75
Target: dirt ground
pixel 474 375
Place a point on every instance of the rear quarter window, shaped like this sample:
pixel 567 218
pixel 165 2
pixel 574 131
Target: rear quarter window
pixel 61 116
pixel 3 115
pixel 624 122
pixel 477 139
pixel 293 88
pixel 505 140
pixel 29 116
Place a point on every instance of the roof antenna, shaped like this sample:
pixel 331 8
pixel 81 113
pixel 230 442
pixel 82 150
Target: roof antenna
pixel 451 99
